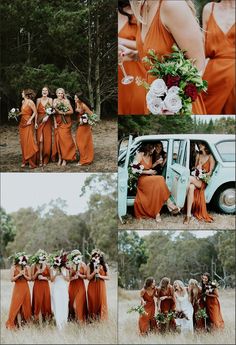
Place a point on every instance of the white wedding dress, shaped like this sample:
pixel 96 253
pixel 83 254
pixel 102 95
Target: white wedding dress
pixel 60 300
pixel 183 304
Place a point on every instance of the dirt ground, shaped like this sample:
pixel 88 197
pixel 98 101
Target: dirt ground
pixel 105 155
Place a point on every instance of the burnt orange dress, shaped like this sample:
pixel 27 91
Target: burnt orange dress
pixel 77 296
pixel 28 145
pixel 152 193
pixel 166 305
pixel 161 41
pixel 214 312
pixel 44 131
pixel 63 141
pixel 41 301
pixel 199 209
pixel 198 304
pixel 220 70
pixel 20 302
pixel 84 142
pixel 147 321
pixel 97 298
pixel 131 97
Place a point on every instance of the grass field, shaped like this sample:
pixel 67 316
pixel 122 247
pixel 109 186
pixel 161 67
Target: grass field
pixel 128 324
pixel 73 333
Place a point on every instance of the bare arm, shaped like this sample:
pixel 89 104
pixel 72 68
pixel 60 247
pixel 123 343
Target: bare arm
pixel 212 165
pixel 138 159
pixel 33 107
pixel 70 111
pixel 131 44
pixel 13 276
pixel 27 274
pixel 142 292
pixel 106 277
pixel 87 110
pixel 83 276
pixel 90 276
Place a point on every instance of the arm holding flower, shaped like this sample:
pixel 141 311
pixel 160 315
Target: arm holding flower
pixel 106 276
pixel 90 276
pixel 84 275
pixel 215 293
pixel 27 273
pixel 13 276
pixel 138 159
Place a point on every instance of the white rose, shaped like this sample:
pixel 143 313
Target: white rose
pixel 13 110
pixel 173 103
pixel 158 87
pixel 154 103
pixel 173 90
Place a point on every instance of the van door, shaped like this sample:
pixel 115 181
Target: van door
pixel 123 181
pixel 177 177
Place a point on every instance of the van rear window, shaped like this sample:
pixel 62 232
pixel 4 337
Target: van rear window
pixel 226 150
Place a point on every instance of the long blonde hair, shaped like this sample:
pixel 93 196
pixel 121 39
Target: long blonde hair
pixel 194 291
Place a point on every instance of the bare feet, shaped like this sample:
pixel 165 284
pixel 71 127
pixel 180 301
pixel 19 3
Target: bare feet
pixel 59 162
pixel 63 163
pixel 23 165
pixel 187 220
pixel 158 218
pixel 78 164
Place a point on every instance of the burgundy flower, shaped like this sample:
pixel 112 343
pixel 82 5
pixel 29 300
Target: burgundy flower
pixel 191 91
pixel 136 166
pixel 170 80
pixel 197 173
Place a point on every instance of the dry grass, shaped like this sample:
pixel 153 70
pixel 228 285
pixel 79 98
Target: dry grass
pixel 128 324
pixel 221 221
pixel 105 154
pixel 95 333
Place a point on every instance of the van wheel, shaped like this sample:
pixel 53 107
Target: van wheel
pixel 224 199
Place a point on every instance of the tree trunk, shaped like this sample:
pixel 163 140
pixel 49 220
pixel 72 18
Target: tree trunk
pixel 89 80
pixel 97 70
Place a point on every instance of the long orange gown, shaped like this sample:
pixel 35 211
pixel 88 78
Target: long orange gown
pixel 198 304
pixel 28 145
pixel 199 209
pixel 41 301
pixel 45 131
pixel 161 41
pixel 63 141
pixel 84 142
pixel 147 321
pixel 131 97
pixel 167 305
pixel 97 298
pixel 214 312
pixel 20 302
pixel 152 193
pixel 77 296
pixel 220 70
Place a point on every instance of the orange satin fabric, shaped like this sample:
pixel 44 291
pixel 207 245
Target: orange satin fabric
pixel 84 143
pixel 220 70
pixel 199 209
pixel 28 146
pixel 152 193
pixel 41 301
pixel 97 298
pixel 214 312
pixel 147 322
pixel 167 305
pixel 77 296
pixel 131 97
pixel 45 131
pixel 20 302
pixel 63 141
pixel 198 304
pixel 161 41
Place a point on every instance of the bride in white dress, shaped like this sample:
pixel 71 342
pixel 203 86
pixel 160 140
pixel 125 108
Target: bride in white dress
pixel 184 305
pixel 59 295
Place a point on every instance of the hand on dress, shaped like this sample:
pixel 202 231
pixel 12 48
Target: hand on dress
pixel 29 122
pixel 152 172
pixel 36 126
pixel 162 298
pixel 45 119
pixel 126 54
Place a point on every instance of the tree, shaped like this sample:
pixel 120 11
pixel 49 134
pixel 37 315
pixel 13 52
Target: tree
pixel 7 234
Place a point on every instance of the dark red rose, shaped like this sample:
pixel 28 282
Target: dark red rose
pixel 170 80
pixel 136 166
pixel 197 173
pixel 191 91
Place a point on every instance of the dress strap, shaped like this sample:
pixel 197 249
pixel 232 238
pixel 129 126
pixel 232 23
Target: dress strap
pixel 212 7
pixel 159 7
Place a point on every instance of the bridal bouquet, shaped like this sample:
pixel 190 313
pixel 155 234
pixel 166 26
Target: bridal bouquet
pixel 64 108
pixel 200 174
pixel 87 119
pixel 134 171
pixel 49 110
pixel 74 258
pixel 40 257
pixel 58 260
pixel 177 85
pixel 13 114
pixel 201 314
pixel 138 309
pixel 20 259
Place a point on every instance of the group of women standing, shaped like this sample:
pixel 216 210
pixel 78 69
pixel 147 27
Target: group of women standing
pixel 36 117
pixel 157 25
pixel 64 302
pixel 186 302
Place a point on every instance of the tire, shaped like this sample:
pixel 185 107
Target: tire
pixel 224 199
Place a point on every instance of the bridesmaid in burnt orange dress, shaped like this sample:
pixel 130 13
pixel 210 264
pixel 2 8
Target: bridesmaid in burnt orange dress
pixel 212 303
pixel 26 129
pixel 44 130
pixel 166 301
pixel 165 23
pixel 131 97
pixel 84 138
pixel 64 146
pixel 77 293
pixel 195 293
pixel 147 322
pixel 219 28
pixel 196 203
pixel 97 274
pixel 20 301
pixel 41 301
pixel 152 191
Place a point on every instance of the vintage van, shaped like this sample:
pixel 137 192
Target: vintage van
pixel 221 188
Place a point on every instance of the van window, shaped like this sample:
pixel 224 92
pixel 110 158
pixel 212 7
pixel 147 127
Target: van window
pixel 179 152
pixel 226 150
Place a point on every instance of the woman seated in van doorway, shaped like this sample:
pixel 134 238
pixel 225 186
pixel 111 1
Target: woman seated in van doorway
pixel 159 158
pixel 196 203
pixel 152 191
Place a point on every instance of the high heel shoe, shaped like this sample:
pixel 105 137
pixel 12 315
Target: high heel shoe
pixel 173 209
pixel 187 220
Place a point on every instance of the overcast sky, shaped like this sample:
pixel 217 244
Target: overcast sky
pixel 197 233
pixel 34 189
pixel 207 118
